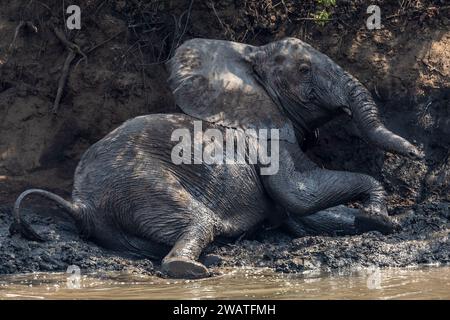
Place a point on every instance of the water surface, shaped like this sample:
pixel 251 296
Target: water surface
pixel 418 283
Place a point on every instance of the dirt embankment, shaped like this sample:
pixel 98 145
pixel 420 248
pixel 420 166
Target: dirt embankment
pixel 406 66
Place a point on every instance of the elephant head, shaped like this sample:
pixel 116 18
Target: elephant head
pixel 285 84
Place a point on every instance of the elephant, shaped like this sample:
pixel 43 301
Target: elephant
pixel 130 196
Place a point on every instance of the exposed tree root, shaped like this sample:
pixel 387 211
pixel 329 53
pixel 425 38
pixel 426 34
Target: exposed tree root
pixel 16 33
pixel 22 24
pixel 73 50
pixel 69 45
pixel 62 80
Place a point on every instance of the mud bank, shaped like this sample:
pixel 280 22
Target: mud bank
pixel 405 65
pixel 423 240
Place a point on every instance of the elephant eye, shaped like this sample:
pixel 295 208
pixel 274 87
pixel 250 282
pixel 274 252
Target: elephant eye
pixel 304 68
pixel 279 59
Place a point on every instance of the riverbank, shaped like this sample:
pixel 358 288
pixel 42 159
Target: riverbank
pixel 423 240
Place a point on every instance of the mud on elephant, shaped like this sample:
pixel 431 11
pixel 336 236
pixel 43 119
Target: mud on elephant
pixel 129 196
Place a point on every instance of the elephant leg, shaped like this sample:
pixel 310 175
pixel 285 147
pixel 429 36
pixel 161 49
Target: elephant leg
pixel 181 261
pixel 339 220
pixel 335 221
pixel 303 188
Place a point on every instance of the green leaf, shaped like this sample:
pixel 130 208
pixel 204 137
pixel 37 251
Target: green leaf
pixel 327 3
pixel 322 17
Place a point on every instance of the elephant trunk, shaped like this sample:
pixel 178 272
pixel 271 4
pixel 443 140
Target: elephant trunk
pixel 365 115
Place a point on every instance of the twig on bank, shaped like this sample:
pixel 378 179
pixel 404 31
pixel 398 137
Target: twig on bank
pixel 21 25
pixel 69 45
pixel 62 80
pixel 40 3
pixel 314 19
pixel 97 46
pixel 416 11
pixel 100 6
pixel 223 25
pixel 73 49
pixel 144 85
pixel 432 68
pixel 103 42
pixel 16 33
pixel 217 16
pixel 187 22
pixel 173 42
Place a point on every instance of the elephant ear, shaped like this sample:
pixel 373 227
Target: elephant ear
pixel 212 80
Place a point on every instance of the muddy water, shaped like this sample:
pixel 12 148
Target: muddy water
pixel 423 283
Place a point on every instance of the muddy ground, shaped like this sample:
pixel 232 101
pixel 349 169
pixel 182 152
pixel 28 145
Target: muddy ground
pixel 406 66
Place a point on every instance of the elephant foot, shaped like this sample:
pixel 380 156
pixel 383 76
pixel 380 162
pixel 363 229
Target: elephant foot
pixel 381 223
pixel 181 267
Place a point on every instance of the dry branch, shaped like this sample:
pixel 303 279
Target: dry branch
pixel 73 50
pixel 69 45
pixel 62 80
pixel 21 24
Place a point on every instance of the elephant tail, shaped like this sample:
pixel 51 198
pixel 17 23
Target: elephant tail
pixel 20 226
